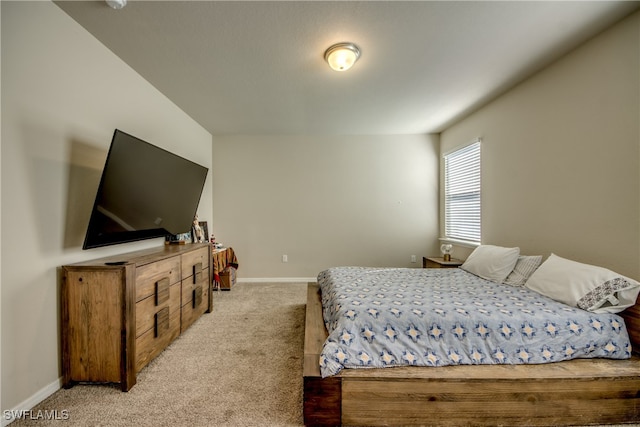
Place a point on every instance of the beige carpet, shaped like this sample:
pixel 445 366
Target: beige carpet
pixel 238 366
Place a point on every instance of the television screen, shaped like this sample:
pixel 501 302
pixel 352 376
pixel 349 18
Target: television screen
pixel 145 192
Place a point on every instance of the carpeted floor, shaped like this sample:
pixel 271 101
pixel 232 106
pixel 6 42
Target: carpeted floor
pixel 238 366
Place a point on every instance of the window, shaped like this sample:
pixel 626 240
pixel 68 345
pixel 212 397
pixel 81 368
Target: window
pixel 462 194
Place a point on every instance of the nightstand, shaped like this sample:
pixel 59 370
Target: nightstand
pixel 434 262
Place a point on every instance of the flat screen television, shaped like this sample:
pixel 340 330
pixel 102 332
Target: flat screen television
pixel 145 192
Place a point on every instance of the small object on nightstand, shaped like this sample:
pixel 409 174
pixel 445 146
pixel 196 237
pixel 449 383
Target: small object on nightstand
pixel 434 262
pixel 446 249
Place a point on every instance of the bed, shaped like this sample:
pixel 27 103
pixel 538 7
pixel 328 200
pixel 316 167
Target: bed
pixel 580 391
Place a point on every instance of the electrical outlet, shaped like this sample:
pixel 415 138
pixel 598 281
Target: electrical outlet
pixel 413 258
pixel 285 258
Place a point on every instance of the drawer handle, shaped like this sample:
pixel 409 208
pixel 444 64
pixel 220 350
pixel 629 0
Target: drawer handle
pixel 197 296
pixel 197 272
pixel 162 291
pixel 162 322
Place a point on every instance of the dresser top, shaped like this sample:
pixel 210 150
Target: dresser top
pixel 143 256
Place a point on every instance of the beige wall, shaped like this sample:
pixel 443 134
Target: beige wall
pixel 561 156
pixel 63 93
pixel 325 201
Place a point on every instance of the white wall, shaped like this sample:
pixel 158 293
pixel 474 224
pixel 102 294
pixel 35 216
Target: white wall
pixel 325 201
pixel 63 94
pixel 561 156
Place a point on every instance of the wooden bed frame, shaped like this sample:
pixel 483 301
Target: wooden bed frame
pixel 576 392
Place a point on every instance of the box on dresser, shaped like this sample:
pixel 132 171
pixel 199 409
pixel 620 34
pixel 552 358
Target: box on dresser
pixel 120 312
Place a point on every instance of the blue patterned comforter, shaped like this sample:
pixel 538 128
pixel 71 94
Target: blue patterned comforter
pixel 434 317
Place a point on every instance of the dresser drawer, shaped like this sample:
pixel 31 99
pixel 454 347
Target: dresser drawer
pixel 148 276
pixel 147 308
pixel 165 327
pixel 195 260
pixel 195 298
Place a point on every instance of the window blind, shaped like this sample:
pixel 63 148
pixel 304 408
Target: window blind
pixel 462 193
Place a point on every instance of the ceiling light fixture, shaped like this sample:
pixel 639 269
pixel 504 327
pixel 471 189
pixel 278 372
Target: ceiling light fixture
pixel 342 56
pixel 117 4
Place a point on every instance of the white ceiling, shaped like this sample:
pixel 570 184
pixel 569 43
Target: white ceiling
pixel 241 67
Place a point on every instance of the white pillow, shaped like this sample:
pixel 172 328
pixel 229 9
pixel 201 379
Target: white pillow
pixel 524 268
pixel 585 286
pixel 491 262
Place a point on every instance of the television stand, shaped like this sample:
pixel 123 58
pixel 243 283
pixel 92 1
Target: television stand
pixel 120 312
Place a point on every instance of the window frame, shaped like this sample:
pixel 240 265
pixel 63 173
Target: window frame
pixel 466 227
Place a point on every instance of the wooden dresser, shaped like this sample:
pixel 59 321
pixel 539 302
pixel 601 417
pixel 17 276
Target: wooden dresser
pixel 120 312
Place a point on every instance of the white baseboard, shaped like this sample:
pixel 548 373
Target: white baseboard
pixel 276 279
pixel 8 415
